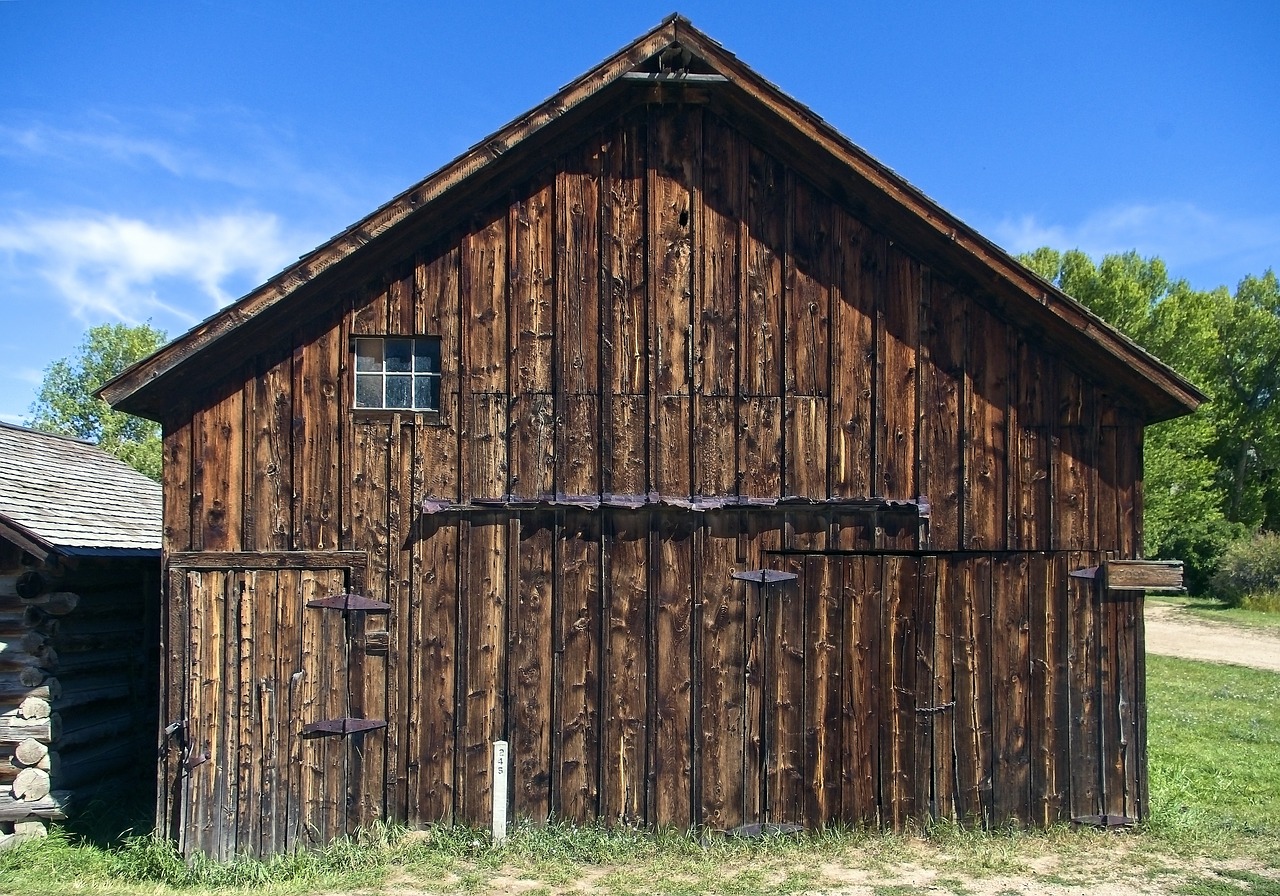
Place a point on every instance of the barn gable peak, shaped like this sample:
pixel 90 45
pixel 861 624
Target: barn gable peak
pixel 673 62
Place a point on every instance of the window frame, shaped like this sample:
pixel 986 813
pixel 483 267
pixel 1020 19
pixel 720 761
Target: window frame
pixel 361 372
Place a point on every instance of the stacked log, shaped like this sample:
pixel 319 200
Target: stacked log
pixel 74 693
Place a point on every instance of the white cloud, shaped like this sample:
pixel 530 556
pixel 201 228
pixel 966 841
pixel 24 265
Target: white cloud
pixel 105 266
pixel 1187 237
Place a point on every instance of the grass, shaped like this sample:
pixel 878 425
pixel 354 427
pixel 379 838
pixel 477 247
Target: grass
pixel 1215 830
pixel 1259 611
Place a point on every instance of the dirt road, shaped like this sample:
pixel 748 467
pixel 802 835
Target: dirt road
pixel 1172 631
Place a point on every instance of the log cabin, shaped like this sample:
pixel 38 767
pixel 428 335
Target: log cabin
pixel 670 439
pixel 79 604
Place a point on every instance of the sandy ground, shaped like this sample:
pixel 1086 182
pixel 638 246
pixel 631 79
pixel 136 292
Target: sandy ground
pixel 1172 631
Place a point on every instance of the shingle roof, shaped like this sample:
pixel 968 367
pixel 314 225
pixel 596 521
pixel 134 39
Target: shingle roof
pixel 70 496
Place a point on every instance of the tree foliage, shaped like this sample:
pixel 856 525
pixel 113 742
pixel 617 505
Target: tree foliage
pixel 66 404
pixel 1213 477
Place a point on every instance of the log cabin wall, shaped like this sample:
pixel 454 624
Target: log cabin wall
pixel 78 674
pixel 666 310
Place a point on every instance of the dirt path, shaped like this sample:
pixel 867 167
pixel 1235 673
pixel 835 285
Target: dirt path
pixel 1172 631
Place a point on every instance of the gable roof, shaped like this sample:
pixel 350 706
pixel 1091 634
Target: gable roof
pixel 796 133
pixel 61 496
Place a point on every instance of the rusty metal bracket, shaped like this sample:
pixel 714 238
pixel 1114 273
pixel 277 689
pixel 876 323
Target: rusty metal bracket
pixel 343 726
pixel 350 602
pixel 931 710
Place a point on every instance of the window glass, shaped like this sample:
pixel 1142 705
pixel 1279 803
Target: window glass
pixel 369 391
pixel 399 355
pixel 368 354
pixel 426 392
pixel 399 391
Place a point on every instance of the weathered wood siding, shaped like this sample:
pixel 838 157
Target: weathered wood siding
pixel 669 308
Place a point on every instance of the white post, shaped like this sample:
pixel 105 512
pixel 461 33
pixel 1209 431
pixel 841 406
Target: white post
pixel 499 791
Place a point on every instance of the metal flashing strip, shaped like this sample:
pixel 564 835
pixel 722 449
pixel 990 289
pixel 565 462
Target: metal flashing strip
pixel 698 503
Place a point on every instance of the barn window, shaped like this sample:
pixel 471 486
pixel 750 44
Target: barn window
pixel 398 373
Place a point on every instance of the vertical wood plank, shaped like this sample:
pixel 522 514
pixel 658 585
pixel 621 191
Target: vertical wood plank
pixel 1083 669
pixel 530 289
pixel 482 661
pixel 219 472
pixel 578 455
pixel 484 304
pixel 671 758
pixel 577 243
pixel 1031 468
pixel 785 750
pixel 625 453
pixel 315 450
pixel 763 251
pixel 627 645
pixel 672 453
pixel 578 687
pixel 721 707
pixel 760 447
pixel 942 399
pixel 1048 706
pixel 716 302
pixel 436 296
pixel 897 744
pixel 808 297
pixel 715 446
pixel 530 699
pixel 862 682
pixel 824 683
pixel 433 731
pixel 178 484
pixel 971 602
pixel 369 526
pixel 987 397
pixel 930 717
pixel 1075 465
pixel 485 445
pixel 945 726
pixel 853 355
pixel 675 166
pixel 806 455
pixel 1010 670
pixel 269 484
pixel 625 351
pixel 898 347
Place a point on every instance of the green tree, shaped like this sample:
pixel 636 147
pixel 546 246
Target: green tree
pixel 1213 476
pixel 66 403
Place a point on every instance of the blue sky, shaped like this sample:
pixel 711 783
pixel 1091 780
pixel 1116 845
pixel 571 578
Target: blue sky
pixel 160 159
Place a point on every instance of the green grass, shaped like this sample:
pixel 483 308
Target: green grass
pixel 1214 752
pixel 1215 792
pixel 1211 609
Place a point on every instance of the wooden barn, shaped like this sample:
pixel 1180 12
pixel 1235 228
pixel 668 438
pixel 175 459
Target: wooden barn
pixel 79 616
pixel 672 439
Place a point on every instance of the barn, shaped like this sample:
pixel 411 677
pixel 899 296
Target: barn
pixel 79 604
pixel 668 437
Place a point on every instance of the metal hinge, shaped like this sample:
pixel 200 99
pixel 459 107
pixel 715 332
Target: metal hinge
pixel 343 726
pixel 350 602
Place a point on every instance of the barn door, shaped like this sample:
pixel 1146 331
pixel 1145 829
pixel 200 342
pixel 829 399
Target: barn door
pixel 276 709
